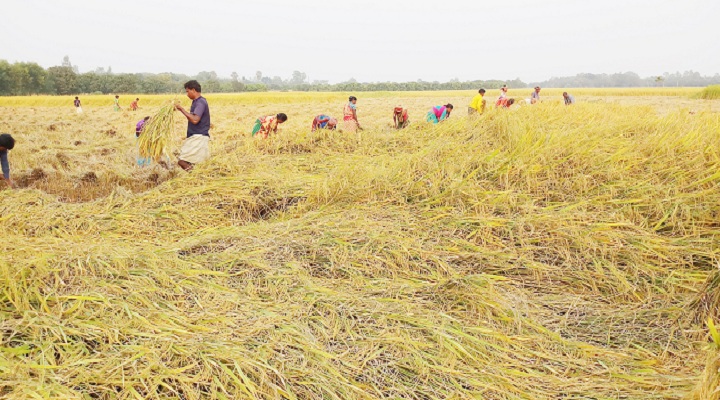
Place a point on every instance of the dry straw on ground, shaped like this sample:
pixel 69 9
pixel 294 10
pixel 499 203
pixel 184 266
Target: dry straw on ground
pixel 539 253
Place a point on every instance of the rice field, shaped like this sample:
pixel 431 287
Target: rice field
pixel 541 252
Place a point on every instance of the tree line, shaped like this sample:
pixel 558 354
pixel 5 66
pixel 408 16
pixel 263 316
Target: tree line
pixel 28 78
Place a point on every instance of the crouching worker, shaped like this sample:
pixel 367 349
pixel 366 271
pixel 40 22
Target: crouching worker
pixel 196 147
pixel 324 122
pixel 265 125
pixel 439 114
pixel 478 103
pixel 505 103
pixel 6 143
pixel 142 161
pixel 400 117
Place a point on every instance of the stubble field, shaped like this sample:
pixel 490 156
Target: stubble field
pixel 541 252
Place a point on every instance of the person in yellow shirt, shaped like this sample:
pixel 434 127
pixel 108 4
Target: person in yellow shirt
pixel 477 105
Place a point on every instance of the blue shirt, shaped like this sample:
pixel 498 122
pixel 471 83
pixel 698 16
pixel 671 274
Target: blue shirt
pixel 5 164
pixel 200 108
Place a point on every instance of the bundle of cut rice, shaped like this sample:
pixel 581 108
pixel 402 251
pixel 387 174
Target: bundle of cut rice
pixel 157 133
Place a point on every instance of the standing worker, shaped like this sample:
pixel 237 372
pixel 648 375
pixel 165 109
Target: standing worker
pixel 350 121
pixel 477 105
pixel 569 99
pixel 117 103
pixel 503 95
pixel 196 147
pixel 78 107
pixel 6 143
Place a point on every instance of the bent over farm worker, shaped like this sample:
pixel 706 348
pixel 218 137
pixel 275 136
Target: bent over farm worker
pixel 535 95
pixel 195 149
pixel 505 103
pixel 142 161
pixel 400 117
pixel 569 99
pixel 439 113
pixel 477 105
pixel 6 143
pixel 265 125
pixel 323 121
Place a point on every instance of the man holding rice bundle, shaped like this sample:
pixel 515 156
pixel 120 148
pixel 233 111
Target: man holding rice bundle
pixel 196 148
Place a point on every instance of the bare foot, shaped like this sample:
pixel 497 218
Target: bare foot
pixel 185 165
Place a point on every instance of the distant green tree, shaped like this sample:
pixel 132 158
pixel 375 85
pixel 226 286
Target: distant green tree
pixel 5 78
pixel 20 78
pixel 62 80
pixel 237 86
pixel 298 78
pixel 38 75
pixel 125 83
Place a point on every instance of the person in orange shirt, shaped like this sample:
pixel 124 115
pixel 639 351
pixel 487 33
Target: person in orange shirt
pixel 505 103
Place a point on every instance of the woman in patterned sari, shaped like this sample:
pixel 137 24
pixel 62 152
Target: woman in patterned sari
pixel 350 121
pixel 439 113
pixel 265 125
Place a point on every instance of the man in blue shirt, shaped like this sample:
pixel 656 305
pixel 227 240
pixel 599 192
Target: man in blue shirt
pixel 6 143
pixel 196 148
pixel 569 99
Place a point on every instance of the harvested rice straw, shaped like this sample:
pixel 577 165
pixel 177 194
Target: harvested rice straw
pixel 157 133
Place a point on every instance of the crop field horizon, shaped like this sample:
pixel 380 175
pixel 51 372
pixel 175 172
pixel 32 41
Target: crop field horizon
pixel 539 252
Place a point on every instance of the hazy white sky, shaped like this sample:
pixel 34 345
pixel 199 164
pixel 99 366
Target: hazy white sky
pixel 370 40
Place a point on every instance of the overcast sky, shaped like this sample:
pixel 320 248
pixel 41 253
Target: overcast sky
pixel 370 40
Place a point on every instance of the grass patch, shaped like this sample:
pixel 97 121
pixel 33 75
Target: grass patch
pixel 711 92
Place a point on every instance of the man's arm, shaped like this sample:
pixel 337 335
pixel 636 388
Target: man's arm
pixel 194 117
pixel 355 118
